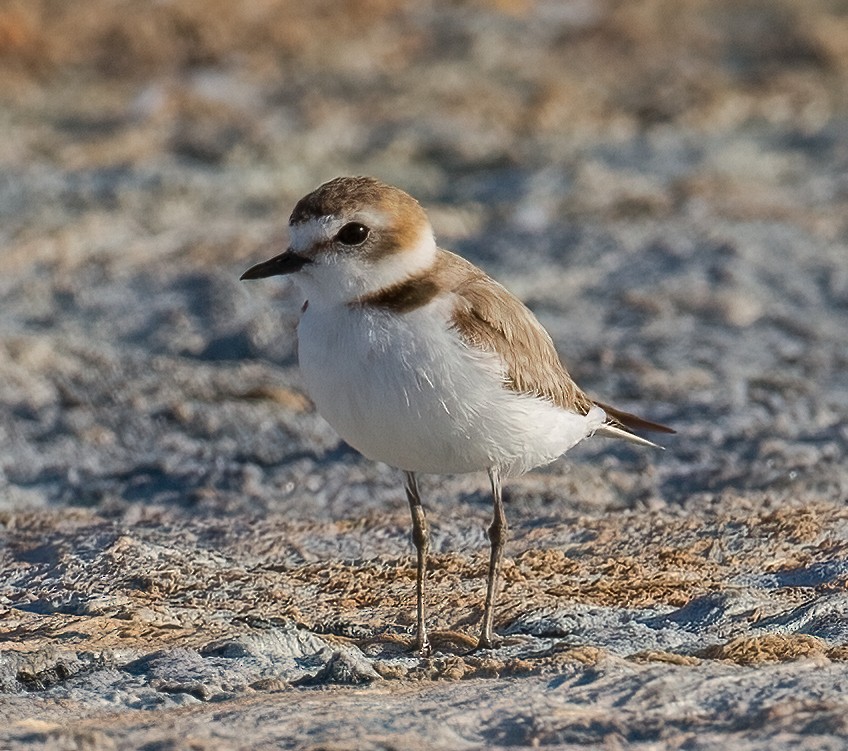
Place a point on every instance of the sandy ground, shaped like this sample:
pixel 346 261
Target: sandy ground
pixel 191 559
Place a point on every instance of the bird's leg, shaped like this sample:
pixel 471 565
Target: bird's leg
pixel 497 536
pixel 421 540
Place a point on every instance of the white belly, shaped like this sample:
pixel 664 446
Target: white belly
pixel 404 390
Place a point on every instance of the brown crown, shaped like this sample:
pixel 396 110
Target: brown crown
pixel 344 195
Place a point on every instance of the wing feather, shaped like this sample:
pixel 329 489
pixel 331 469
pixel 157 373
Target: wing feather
pixel 490 318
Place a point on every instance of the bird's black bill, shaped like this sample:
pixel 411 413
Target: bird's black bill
pixel 285 263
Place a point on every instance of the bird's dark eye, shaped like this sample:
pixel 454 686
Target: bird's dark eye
pixel 352 233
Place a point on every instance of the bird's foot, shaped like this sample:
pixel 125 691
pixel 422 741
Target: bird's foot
pixel 422 646
pixel 489 641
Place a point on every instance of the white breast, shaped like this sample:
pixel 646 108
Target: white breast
pixel 405 390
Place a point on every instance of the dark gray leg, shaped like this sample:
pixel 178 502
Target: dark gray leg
pixel 421 540
pixel 497 536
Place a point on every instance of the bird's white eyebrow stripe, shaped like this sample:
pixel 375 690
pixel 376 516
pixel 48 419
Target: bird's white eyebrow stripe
pixel 313 232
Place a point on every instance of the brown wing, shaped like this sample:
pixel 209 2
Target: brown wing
pixel 492 319
pixel 489 317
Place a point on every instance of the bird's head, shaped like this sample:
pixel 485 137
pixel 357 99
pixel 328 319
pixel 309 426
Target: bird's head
pixel 351 237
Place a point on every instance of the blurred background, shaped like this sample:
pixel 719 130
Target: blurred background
pixel 663 181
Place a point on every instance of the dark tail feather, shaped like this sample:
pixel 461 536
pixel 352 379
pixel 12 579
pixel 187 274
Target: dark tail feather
pixel 632 422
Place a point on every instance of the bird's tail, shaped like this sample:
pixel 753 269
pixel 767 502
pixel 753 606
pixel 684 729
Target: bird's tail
pixel 621 424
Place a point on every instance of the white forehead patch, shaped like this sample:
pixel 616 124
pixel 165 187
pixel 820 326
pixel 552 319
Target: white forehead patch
pixel 306 235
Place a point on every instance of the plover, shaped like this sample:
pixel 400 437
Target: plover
pixel 420 360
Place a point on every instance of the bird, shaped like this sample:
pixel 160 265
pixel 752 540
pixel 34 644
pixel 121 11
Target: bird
pixel 418 359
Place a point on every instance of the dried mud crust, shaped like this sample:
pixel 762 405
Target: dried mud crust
pixel 75 579
pixel 177 613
